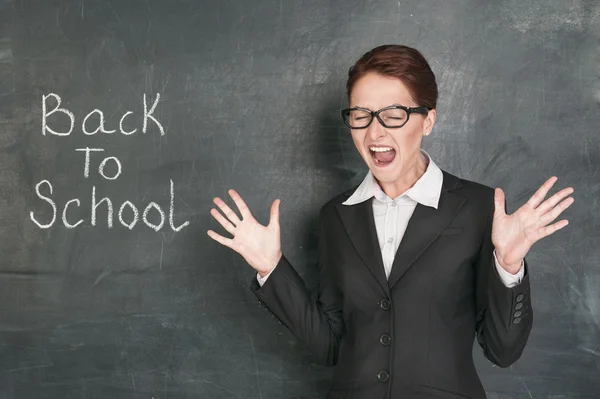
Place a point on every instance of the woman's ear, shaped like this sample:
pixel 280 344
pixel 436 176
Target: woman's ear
pixel 429 121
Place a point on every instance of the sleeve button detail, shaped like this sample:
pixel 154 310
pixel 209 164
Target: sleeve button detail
pixel 519 298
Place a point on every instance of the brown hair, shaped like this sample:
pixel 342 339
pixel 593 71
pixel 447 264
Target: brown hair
pixel 401 62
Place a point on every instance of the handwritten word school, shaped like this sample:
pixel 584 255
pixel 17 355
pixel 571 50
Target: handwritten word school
pixel 91 130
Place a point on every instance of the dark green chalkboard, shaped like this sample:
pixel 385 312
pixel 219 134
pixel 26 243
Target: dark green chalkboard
pixel 246 95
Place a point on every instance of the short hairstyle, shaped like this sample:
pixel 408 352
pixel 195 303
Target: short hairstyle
pixel 401 62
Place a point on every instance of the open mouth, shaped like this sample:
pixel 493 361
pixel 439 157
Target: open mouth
pixel 382 156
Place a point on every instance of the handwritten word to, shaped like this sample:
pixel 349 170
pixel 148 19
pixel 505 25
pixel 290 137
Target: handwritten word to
pixel 132 221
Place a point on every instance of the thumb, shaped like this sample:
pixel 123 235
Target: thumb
pixel 498 203
pixel 274 220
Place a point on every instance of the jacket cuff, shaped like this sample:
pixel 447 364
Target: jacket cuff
pixel 513 303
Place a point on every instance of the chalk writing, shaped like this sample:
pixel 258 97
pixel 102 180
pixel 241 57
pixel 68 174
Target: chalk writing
pixel 44 189
pixel 148 115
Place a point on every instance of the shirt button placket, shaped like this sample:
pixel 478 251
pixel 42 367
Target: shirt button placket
pixel 391 216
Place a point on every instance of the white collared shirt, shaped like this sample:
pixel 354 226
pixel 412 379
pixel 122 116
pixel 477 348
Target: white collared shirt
pixel 392 215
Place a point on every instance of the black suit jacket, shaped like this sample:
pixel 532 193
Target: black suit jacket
pixel 409 337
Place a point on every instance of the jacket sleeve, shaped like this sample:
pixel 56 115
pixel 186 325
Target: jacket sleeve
pixel 504 315
pixel 315 318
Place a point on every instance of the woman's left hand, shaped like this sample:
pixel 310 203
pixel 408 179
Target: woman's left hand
pixel 513 235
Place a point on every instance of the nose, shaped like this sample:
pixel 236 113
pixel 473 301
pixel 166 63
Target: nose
pixel 375 130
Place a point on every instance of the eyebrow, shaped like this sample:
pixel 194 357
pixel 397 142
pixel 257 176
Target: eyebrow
pixel 396 103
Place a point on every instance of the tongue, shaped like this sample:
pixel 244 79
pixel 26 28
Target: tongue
pixel 385 157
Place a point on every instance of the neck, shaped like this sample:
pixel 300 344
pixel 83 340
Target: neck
pixel 407 180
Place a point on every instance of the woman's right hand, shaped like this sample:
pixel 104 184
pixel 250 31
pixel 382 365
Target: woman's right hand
pixel 259 245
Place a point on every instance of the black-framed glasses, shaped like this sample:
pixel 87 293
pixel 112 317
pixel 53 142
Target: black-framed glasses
pixel 394 116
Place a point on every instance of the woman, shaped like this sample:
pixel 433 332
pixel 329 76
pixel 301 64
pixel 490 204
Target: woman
pixel 414 263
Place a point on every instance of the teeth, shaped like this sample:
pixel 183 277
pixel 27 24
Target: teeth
pixel 380 149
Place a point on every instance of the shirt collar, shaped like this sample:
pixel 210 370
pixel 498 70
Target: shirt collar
pixel 425 191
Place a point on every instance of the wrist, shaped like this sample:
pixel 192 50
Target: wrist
pixel 274 263
pixel 511 268
pixel 263 274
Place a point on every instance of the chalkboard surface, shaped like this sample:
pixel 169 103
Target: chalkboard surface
pixel 159 106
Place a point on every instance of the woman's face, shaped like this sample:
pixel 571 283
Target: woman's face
pixel 374 91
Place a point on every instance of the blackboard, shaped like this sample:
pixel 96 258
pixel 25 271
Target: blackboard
pixel 245 95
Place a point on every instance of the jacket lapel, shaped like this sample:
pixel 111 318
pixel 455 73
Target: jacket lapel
pixel 424 226
pixel 359 224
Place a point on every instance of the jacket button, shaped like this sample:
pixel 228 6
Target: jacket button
pixel 384 304
pixel 517 313
pixel 517 320
pixel 385 339
pixel 383 376
pixel 518 306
